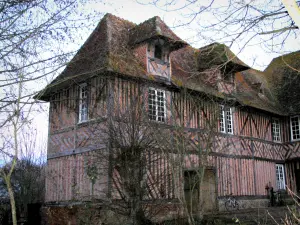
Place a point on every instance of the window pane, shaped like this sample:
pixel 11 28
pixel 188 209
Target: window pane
pixel 295 127
pixel 83 103
pixel 156 105
pixel 280 180
pixel 158 52
pixel 276 130
pixel 222 119
pixel 226 121
pixel 229 121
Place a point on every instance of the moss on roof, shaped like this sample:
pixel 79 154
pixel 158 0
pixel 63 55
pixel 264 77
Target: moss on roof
pixel 153 28
pixel 110 49
pixel 283 76
pixel 252 90
pixel 217 54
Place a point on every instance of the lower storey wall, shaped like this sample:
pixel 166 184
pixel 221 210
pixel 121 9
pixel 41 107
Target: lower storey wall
pixel 69 178
pixel 293 175
pixel 242 177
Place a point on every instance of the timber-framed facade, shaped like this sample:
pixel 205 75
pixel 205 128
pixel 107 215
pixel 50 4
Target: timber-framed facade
pixel 239 123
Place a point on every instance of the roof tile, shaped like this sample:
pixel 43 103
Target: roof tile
pixel 111 46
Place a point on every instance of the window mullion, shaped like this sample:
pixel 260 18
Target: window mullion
pixel 165 106
pixel 225 120
pixel 156 105
pixel 291 129
pixel 231 120
pixel 298 125
pixel 298 131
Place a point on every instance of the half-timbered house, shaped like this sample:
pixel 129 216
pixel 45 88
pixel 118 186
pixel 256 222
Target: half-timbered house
pixel 245 122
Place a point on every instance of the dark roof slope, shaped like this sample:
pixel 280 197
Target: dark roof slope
pixel 97 54
pixel 276 90
pixel 283 76
pixel 217 54
pixel 248 82
pixel 185 71
pixel 253 90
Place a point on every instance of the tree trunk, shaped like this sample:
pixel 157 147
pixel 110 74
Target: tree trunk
pixel 137 213
pixel 134 213
pixel 12 200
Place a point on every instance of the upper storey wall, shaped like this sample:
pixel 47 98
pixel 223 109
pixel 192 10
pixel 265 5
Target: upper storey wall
pixel 252 131
pixel 64 105
pixel 180 108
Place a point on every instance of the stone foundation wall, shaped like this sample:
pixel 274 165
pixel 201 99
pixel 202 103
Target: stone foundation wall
pixel 245 203
pixel 87 213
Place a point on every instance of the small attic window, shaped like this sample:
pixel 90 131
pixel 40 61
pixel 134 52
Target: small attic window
pixel 261 90
pixel 228 77
pixel 158 52
pixel 259 87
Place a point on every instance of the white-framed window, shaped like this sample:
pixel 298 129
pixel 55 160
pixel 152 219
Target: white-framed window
pixel 295 128
pixel 280 178
pixel 83 103
pixel 276 133
pixel 226 120
pixel 157 105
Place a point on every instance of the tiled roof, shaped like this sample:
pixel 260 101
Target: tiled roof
pixel 110 48
pixel 97 54
pixel 185 72
pixel 283 77
pixel 253 90
pixel 221 55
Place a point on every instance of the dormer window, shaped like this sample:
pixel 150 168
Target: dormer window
pixel 158 53
pixel 259 87
pixel 158 58
pixel 261 91
pixel 228 77
pixel 225 82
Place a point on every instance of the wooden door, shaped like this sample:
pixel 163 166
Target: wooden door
pixel 297 175
pixel 208 193
pixel 200 196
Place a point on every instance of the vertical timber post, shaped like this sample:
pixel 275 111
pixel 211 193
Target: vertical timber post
pixel 252 152
pixel 110 113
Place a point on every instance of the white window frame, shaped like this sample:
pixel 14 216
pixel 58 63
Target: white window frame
pixel 276 130
pixel 280 177
pixel 156 105
pixel 83 114
pixel 226 120
pixel 294 130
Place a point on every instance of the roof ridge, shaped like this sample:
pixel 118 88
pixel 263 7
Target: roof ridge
pixel 279 59
pixel 110 15
pixel 286 54
pixel 153 28
pixel 150 19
